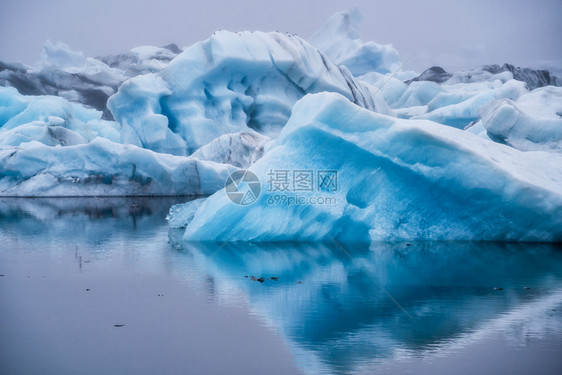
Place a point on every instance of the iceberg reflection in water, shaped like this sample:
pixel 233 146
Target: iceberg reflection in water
pixel 73 268
pixel 343 308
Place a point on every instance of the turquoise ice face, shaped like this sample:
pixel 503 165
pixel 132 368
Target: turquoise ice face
pixel 397 180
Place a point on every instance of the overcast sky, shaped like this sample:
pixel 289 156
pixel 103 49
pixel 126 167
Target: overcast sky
pixel 453 34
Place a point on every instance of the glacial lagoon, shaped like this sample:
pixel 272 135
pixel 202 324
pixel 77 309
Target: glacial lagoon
pixel 102 285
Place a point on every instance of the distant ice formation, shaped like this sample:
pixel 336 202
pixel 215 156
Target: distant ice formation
pixel 531 122
pixel 340 40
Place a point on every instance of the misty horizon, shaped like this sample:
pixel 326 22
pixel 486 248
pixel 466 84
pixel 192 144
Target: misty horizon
pixel 459 36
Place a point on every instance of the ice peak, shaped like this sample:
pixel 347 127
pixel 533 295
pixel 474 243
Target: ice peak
pixel 341 25
pixel 339 39
pixel 61 55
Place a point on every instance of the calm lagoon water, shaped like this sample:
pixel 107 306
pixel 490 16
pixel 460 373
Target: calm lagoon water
pixel 102 286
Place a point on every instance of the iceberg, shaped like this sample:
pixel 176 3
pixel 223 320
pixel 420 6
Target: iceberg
pixel 89 81
pixel 445 109
pixel 230 83
pixel 240 149
pixel 534 78
pixel 531 122
pixel 449 99
pixel 138 108
pixel 340 40
pixel 396 180
pixel 181 214
pixel 140 60
pixel 418 94
pixel 65 73
pixel 52 147
pixel 235 102
pixel 223 104
pixel 104 168
pixel 457 99
pixel 50 120
pixel 456 102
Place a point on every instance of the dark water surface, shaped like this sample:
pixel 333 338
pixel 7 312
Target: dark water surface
pixel 101 286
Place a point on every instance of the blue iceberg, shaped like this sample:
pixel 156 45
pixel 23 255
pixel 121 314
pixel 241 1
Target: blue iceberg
pixel 104 168
pixel 396 180
pixel 340 40
pixel 229 83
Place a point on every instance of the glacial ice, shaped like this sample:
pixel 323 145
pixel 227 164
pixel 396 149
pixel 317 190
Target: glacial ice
pixel 52 147
pixel 166 121
pixel 397 180
pixel 452 103
pixel 240 149
pixel 140 60
pixel 28 118
pixel 534 78
pixel 456 101
pixel 531 122
pixel 229 83
pixel 418 94
pixel 340 40
pixel 65 73
pixel 445 109
pixel 48 133
pixel 89 81
pixel 181 214
pixel 104 168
